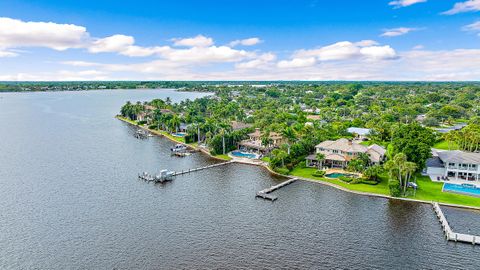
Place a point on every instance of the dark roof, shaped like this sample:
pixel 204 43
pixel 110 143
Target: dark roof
pixel 435 162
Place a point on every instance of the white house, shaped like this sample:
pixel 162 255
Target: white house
pixel 458 165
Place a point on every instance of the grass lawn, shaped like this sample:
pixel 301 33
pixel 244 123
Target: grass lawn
pixel 266 159
pixel 224 157
pixel 432 191
pixel 444 145
pixel 381 188
pixel 427 190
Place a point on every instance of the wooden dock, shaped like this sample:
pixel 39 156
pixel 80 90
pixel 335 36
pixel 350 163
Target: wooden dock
pixel 450 235
pixel 264 194
pixel 201 168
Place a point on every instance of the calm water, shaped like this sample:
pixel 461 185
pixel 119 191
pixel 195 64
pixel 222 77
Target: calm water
pixel 69 199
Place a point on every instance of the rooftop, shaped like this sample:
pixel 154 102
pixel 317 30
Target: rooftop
pixel 457 156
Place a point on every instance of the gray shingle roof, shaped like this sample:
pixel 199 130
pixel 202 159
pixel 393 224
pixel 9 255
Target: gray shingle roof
pixel 458 156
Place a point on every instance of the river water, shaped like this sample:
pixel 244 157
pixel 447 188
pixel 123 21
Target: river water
pixel 70 199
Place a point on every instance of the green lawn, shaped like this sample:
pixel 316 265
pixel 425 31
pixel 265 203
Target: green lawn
pixel 224 157
pixel 381 188
pixel 266 159
pixel 444 146
pixel 432 191
pixel 427 190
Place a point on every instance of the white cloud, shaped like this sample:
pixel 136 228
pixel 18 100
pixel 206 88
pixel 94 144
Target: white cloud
pixel 474 27
pixel 467 6
pixel 378 52
pixel 405 3
pixel 297 63
pixel 346 50
pixel 367 42
pixel 123 45
pixel 198 41
pixel 5 53
pixel 395 32
pixel 16 33
pixel 418 47
pixel 245 42
pixel 261 62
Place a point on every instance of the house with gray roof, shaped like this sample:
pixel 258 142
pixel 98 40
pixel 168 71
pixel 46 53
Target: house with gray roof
pixel 338 153
pixel 458 165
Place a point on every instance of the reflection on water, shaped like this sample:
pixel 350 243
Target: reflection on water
pixel 70 199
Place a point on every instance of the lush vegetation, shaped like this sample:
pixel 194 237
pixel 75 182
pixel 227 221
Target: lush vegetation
pixel 403 118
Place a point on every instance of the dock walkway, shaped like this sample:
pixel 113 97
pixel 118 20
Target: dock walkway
pixel 264 194
pixel 449 233
pixel 201 168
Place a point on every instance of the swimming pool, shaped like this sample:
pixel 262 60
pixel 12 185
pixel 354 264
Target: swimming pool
pixel 338 175
pixel 180 134
pixel 244 154
pixel 467 189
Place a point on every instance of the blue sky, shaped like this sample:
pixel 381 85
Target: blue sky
pixel 240 40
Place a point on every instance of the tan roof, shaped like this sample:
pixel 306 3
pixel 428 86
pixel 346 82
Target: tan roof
pixel 273 135
pixel 335 157
pixel 343 145
pixel 313 117
pixel 239 125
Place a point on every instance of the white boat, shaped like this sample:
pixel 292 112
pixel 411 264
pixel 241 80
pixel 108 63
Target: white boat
pixel 178 148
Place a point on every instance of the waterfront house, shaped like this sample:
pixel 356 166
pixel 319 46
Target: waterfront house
pixel 360 134
pixel 254 142
pixel 338 153
pixel 457 165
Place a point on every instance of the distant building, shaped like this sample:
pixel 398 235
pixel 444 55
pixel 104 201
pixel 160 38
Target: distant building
pixel 339 153
pixel 448 129
pixel 458 165
pixel 360 133
pixel 239 125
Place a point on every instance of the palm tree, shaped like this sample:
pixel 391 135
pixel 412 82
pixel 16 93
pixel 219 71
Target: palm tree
pixel 320 158
pixel 290 135
pixel 280 154
pixel 409 169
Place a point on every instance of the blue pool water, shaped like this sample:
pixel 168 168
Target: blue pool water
pixel 243 154
pixel 338 175
pixel 180 134
pixel 465 189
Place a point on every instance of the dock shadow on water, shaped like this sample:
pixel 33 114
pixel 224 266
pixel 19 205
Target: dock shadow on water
pixel 71 199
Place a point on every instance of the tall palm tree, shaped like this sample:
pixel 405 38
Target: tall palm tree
pixel 291 136
pixel 320 158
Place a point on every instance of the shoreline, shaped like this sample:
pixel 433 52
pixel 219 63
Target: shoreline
pixel 300 178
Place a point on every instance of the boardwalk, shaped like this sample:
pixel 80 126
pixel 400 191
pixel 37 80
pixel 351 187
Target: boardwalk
pixel 201 168
pixel 264 194
pixel 449 234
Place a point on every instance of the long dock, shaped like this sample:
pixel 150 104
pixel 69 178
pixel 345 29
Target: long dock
pixel 450 235
pixel 264 194
pixel 201 168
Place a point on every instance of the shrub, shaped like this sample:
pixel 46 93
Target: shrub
pixel 394 187
pixel 319 173
pixel 143 122
pixel 345 179
pixel 281 170
pixel 152 127
pixel 369 182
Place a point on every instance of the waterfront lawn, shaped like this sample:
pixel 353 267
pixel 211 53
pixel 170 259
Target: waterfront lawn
pixel 427 189
pixel 432 191
pixel 443 145
pixel 380 188
pixel 224 157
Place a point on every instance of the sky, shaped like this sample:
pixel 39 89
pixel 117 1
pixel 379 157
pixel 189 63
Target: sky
pixel 381 40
